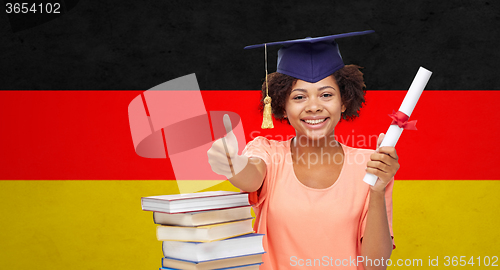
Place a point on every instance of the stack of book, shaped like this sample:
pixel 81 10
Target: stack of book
pixel 206 230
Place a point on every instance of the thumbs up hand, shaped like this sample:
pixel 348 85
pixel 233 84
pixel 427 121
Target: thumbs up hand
pixel 223 155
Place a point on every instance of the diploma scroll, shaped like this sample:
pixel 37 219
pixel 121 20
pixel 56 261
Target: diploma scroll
pixel 400 118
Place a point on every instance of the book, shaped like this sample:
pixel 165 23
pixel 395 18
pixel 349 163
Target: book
pixel 254 266
pixel 205 233
pixel 192 202
pixel 200 252
pixel 201 218
pixel 214 264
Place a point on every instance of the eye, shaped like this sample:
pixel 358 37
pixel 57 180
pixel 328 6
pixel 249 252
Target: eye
pixel 327 95
pixel 298 97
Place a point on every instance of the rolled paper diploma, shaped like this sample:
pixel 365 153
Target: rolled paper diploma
pixel 394 132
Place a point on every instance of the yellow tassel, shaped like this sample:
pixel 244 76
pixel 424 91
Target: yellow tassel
pixel 267 121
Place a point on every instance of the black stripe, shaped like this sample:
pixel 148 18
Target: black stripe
pixel 120 44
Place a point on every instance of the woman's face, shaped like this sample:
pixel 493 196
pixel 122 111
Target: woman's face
pixel 314 109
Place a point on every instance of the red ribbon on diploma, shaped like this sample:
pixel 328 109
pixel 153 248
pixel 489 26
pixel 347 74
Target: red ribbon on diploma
pixel 401 119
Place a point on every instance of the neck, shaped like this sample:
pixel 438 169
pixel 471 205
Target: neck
pixel 323 144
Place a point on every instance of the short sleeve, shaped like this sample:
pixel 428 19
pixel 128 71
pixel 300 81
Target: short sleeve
pixel 260 147
pixel 388 206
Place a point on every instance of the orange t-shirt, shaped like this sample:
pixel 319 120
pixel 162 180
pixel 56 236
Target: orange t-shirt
pixel 306 227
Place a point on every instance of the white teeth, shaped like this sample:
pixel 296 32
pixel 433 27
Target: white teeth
pixel 314 122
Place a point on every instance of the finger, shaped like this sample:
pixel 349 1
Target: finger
pixel 227 123
pixel 380 139
pixel 220 167
pixel 228 156
pixel 382 176
pixel 375 172
pixel 219 161
pixel 229 130
pixel 378 165
pixel 381 157
pixel 388 150
pixel 218 150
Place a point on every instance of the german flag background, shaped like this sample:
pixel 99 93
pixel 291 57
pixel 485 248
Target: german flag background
pixel 71 182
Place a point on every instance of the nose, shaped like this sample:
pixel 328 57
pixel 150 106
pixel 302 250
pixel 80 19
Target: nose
pixel 314 105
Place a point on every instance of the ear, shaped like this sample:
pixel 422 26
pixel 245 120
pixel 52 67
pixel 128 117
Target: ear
pixel 343 108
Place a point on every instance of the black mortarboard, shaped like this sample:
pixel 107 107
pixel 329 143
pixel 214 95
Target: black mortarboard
pixel 310 59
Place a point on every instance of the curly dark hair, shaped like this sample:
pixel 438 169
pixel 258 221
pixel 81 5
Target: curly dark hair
pixel 349 79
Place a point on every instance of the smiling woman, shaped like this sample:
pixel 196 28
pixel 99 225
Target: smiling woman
pixel 314 109
pixel 308 192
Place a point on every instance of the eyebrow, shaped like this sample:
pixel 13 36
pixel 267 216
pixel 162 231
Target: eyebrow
pixel 319 89
pixel 325 87
pixel 300 90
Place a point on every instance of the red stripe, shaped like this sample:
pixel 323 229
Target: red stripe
pixel 86 135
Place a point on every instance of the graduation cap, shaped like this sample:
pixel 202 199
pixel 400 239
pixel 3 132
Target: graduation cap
pixel 308 59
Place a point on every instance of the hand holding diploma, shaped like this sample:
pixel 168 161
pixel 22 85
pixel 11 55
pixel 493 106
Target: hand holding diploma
pixel 400 118
pixel 383 164
pixel 223 155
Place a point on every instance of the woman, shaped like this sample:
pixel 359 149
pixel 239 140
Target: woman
pixel 308 194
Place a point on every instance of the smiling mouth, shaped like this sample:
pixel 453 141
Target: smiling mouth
pixel 315 122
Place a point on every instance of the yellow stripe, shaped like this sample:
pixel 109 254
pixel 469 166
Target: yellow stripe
pixel 80 224
pixel 100 224
pixel 446 218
